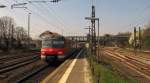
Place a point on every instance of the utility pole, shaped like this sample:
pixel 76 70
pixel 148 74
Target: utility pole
pixel 29 15
pixel 89 30
pixel 98 38
pixel 1 38
pixel 140 39
pixel 22 5
pixel 12 36
pixel 93 31
pixel 135 40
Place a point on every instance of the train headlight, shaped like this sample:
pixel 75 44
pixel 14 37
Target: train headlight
pixel 43 52
pixel 43 57
pixel 50 50
pixel 60 52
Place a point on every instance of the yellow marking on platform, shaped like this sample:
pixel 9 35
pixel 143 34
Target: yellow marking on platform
pixel 68 71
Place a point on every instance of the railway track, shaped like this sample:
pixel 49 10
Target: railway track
pixel 21 72
pixel 12 57
pixel 27 71
pixel 30 72
pixel 132 53
pixel 132 63
pixel 36 72
pixel 16 64
pixel 145 58
pixel 15 61
pixel 44 69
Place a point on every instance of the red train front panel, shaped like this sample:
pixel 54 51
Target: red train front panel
pixel 53 49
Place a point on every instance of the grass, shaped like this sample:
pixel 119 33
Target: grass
pixel 108 76
pixel 103 74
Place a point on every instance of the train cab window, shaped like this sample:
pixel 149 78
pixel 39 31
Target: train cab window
pixel 53 44
pixel 46 43
pixel 58 44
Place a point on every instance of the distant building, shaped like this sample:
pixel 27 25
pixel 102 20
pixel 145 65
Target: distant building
pixel 131 39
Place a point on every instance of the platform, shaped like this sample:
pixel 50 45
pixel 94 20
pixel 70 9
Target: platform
pixel 74 71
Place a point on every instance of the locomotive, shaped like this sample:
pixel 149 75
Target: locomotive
pixel 55 47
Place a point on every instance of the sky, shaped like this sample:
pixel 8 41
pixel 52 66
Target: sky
pixel 67 16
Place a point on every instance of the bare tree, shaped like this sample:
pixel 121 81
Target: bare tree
pixel 20 36
pixel 6 30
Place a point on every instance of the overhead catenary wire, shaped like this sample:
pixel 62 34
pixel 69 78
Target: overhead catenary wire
pixel 10 3
pixel 43 16
pixel 47 11
pixel 39 15
pixel 43 5
pixel 139 18
pixel 61 27
pixel 51 13
pixel 57 17
pixel 61 21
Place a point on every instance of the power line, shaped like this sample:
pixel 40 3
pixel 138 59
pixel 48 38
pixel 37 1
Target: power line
pixel 141 17
pixel 21 13
pixel 32 23
pixel 48 11
pixel 59 18
pixel 9 3
pixel 42 16
pixel 56 17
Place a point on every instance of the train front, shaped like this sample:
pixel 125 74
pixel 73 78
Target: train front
pixel 53 49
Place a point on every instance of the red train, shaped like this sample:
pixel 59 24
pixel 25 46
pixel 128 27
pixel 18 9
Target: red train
pixel 55 47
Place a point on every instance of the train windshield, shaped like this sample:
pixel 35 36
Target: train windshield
pixel 52 43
